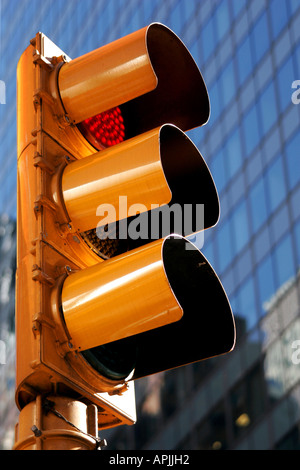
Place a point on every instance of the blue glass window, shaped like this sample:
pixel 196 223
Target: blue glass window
pixel 297 239
pixel 228 85
pixel 240 227
pixel 266 282
pixel 294 5
pixel 237 6
pixel 222 19
pixel 267 107
pixel 284 259
pixel 246 303
pixel 188 8
pixel 133 21
pixel 148 8
pixel 176 18
pixel 215 100
pixel 208 251
pixel 208 39
pixel 224 245
pixel 275 183
pixel 297 62
pixel 285 77
pixel 258 204
pixel 233 153
pixel 251 130
pixel 292 151
pixel 217 168
pixel 279 16
pixel 244 60
pixel 260 37
pixel 194 49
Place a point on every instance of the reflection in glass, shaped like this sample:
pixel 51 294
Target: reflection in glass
pixel 275 183
pixel 240 226
pixel 267 108
pixel 266 283
pixel 292 160
pixel 258 204
pixel 259 31
pixel 284 261
pixel 274 372
pixel 246 303
pixel 247 401
pixel 211 434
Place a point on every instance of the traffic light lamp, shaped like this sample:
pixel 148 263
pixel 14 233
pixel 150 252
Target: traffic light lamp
pixel 109 289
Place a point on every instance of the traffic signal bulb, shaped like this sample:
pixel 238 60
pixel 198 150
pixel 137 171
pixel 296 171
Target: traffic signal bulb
pixel 106 129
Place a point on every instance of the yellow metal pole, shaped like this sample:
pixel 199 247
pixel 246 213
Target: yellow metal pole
pixel 57 423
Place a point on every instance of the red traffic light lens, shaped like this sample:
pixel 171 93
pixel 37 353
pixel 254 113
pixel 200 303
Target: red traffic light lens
pixel 105 129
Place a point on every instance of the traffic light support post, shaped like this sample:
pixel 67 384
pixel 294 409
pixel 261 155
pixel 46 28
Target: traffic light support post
pixel 58 423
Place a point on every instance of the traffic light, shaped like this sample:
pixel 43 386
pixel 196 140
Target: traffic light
pixel 109 289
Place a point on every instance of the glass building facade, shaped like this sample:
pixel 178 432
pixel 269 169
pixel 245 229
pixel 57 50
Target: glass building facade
pixel 249 54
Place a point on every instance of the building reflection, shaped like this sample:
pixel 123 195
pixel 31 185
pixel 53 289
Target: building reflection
pixel 249 399
pixel 8 411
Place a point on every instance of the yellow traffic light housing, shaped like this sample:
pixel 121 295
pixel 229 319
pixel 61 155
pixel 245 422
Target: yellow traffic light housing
pixel 101 151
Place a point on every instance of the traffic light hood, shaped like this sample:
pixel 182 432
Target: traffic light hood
pixel 150 73
pixel 205 329
pixel 161 167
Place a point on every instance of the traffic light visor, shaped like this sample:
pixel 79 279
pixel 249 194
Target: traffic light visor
pixel 160 167
pixel 149 74
pixel 205 329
